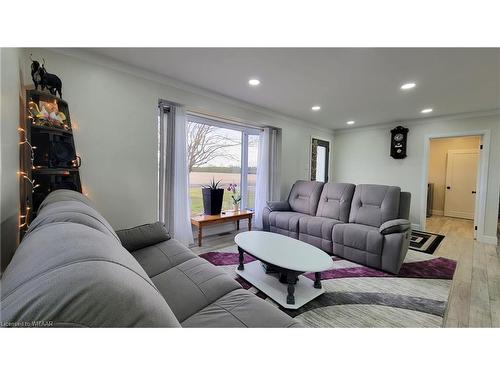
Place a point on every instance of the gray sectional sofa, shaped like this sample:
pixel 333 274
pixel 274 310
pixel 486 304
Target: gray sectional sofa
pixel 367 224
pixel 73 270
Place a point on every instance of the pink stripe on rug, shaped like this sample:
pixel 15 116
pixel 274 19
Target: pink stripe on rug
pixel 437 268
pixel 225 259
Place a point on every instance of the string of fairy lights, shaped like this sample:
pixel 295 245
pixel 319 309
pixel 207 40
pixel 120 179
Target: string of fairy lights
pixel 23 219
pixel 24 174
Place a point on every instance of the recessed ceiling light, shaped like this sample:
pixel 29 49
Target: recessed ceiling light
pixel 408 86
pixel 315 107
pixel 426 110
pixel 350 122
pixel 253 82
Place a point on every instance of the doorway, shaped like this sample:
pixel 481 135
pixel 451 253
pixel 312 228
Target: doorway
pixel 452 180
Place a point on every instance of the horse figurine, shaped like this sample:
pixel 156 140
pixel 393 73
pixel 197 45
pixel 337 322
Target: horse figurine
pixel 35 75
pixel 46 80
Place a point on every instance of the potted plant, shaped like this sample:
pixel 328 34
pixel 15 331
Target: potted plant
pixel 235 196
pixel 212 198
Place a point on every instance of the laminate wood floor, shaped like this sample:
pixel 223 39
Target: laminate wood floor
pixel 475 292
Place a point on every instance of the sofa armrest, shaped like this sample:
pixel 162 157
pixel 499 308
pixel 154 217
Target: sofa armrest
pixel 395 226
pixel 142 236
pixel 279 206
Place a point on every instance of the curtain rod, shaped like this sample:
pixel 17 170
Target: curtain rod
pixel 229 121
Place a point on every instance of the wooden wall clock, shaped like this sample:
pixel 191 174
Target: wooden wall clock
pixel 399 140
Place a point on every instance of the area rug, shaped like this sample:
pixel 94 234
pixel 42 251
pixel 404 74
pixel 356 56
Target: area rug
pixel 424 241
pixel 359 296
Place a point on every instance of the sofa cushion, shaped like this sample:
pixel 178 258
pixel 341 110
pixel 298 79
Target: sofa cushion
pixel 374 204
pixel 63 195
pixel 240 308
pixel 143 235
pixel 304 196
pixel 162 256
pixel 279 206
pixel 335 201
pixel 285 222
pixel 193 285
pixel 357 242
pixel 317 231
pixel 68 274
pixel 72 211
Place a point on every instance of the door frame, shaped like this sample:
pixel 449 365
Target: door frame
pixel 456 152
pixel 328 155
pixel 482 190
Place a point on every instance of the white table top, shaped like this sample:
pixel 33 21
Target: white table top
pixel 284 251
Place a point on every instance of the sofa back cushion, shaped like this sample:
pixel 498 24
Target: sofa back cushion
pixel 142 236
pixel 304 196
pixel 64 195
pixel 374 204
pixel 335 201
pixel 72 211
pixel 68 274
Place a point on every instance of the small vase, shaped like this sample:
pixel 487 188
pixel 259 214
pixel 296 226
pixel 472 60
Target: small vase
pixel 236 207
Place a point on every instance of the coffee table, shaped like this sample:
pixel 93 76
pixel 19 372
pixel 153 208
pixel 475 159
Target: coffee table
pixel 201 221
pixel 291 258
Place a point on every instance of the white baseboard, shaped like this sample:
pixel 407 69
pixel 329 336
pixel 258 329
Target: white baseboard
pixel 437 212
pixel 492 240
pixel 461 215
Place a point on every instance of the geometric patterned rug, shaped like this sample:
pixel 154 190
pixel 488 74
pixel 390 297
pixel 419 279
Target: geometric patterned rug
pixel 359 296
pixel 424 241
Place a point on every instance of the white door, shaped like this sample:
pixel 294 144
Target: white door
pixel 461 182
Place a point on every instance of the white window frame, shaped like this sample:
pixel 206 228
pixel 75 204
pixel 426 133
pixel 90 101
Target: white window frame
pixel 245 130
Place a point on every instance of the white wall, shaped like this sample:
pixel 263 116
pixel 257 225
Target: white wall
pixel 362 156
pixel 114 107
pixel 9 186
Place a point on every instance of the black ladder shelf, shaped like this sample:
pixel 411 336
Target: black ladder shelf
pixel 48 158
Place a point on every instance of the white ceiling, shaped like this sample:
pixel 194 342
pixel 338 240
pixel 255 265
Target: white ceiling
pixel 348 83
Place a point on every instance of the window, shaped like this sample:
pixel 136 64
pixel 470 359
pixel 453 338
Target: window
pixel 224 152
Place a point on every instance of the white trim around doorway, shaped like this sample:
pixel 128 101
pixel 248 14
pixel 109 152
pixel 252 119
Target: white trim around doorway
pixel 309 152
pixel 460 214
pixel 482 187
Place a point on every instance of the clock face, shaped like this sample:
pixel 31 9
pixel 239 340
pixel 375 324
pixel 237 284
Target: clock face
pixel 398 137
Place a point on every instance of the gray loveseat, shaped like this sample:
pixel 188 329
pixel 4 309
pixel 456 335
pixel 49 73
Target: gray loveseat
pixel 367 224
pixel 73 270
